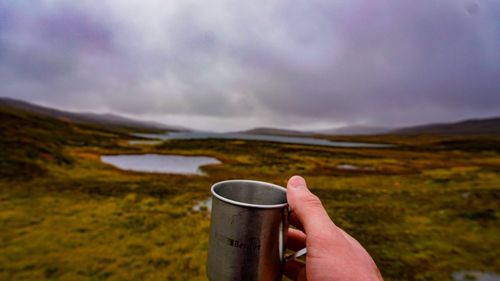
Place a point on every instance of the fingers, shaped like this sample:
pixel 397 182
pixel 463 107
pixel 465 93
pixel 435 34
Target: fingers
pixel 307 208
pixel 295 270
pixel 296 239
pixel 295 221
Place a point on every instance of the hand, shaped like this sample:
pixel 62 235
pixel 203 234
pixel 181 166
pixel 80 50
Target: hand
pixel 332 254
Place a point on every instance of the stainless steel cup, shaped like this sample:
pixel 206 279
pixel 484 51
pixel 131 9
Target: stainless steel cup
pixel 249 223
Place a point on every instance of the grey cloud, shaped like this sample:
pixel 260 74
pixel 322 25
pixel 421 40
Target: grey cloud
pixel 387 62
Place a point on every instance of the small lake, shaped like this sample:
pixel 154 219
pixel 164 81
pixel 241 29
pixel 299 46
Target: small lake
pixel 349 167
pixel 203 205
pixel 475 275
pixel 252 137
pixel 157 163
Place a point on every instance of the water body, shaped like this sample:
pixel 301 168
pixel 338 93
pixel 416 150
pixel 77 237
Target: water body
pixel 203 205
pixel 475 275
pixel 350 167
pixel 157 163
pixel 271 138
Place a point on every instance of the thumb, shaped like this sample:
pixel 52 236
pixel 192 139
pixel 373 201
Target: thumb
pixel 307 207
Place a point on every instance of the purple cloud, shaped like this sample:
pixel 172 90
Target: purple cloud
pixel 239 64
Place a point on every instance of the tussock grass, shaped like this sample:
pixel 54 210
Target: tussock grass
pixel 428 207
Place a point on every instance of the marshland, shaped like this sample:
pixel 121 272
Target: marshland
pixel 426 207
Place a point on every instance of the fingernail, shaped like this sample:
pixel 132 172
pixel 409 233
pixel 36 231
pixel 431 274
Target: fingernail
pixel 296 182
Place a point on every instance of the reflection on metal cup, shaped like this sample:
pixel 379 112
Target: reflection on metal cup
pixel 249 222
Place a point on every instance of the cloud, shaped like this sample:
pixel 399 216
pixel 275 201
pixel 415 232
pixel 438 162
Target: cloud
pixel 286 63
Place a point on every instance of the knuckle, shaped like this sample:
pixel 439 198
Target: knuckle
pixel 312 201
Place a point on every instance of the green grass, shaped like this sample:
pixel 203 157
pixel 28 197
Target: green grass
pixel 428 208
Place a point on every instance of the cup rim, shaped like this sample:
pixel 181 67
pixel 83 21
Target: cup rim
pixel 243 204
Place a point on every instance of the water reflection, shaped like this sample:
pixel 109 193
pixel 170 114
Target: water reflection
pixel 350 167
pixel 203 205
pixel 270 138
pixel 475 275
pixel 157 163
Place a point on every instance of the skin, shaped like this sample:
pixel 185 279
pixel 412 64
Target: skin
pixel 332 254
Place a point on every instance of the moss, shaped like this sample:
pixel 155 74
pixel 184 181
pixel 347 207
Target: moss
pixel 424 212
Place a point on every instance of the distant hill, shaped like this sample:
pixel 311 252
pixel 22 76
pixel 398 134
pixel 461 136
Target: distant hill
pixel 347 130
pixel 354 130
pixel 109 121
pixel 32 135
pixel 274 131
pixel 489 126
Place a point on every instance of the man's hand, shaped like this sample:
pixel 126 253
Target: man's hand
pixel 332 254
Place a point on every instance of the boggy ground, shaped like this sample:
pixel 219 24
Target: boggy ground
pixel 423 209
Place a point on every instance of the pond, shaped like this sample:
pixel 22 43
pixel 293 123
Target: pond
pixel 350 167
pixel 270 138
pixel 158 163
pixel 475 275
pixel 203 205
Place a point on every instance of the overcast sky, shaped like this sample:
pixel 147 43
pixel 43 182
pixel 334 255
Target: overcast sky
pixel 231 64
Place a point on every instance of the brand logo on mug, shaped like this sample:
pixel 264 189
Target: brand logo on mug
pixel 252 244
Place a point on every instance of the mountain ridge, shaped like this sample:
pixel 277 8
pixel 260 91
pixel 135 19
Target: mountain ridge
pixel 474 126
pixel 273 131
pixel 355 130
pixel 112 121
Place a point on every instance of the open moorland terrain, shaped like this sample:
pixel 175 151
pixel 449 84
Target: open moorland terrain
pixel 425 208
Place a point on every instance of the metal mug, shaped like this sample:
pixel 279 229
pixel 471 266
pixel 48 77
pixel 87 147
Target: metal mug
pixel 248 229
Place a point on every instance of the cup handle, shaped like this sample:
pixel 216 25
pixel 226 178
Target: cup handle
pixel 281 243
pixel 282 246
pixel 296 255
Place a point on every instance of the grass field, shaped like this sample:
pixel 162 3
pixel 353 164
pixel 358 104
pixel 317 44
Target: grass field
pixel 424 209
